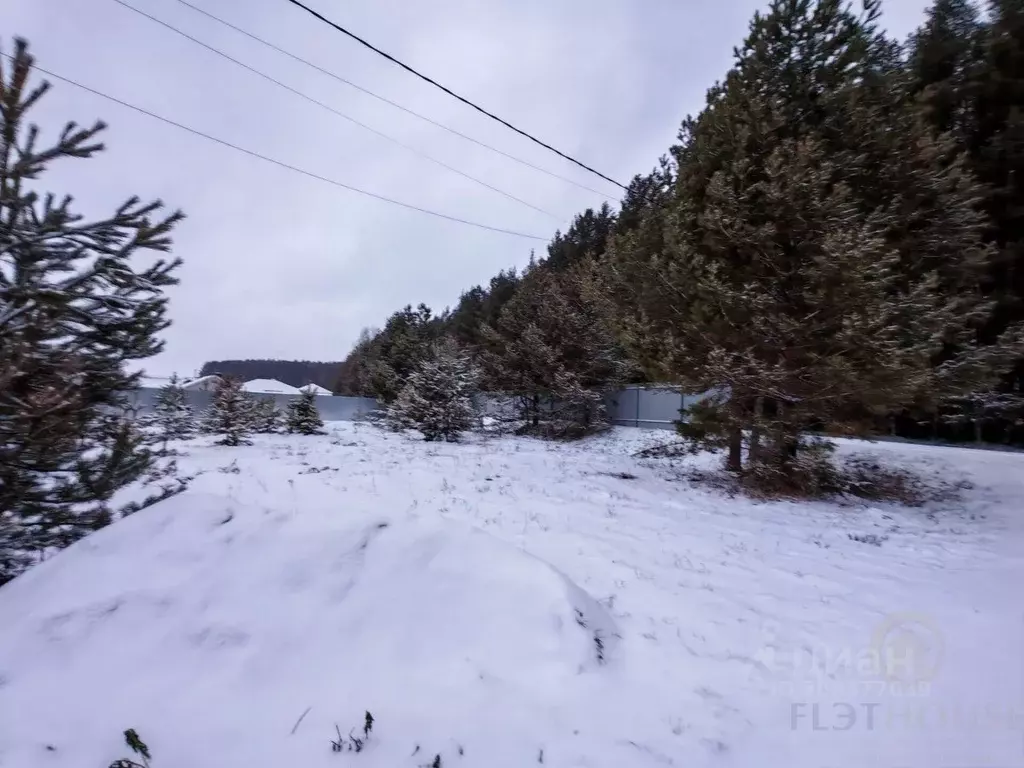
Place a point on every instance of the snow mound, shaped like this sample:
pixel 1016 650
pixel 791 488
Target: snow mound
pixel 210 627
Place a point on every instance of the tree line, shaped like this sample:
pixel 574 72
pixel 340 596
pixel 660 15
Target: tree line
pixel 835 242
pixel 296 373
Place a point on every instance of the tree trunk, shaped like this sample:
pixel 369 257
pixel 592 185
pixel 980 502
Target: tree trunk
pixel 536 410
pixel 754 453
pixel 734 463
pixel 977 430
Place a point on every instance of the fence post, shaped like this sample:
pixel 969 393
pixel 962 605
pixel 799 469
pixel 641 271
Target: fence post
pixel 636 422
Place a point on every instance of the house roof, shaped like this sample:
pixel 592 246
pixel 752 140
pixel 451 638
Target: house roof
pixel 203 382
pixel 270 387
pixel 311 387
pixel 154 382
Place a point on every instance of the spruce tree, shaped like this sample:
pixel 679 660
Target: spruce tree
pixel 76 306
pixel 437 399
pixel 266 416
pixel 230 413
pixel 303 416
pixel 174 415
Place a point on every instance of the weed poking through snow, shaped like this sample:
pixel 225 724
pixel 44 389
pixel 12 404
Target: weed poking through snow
pixel 868 538
pixel 353 743
pixel 136 745
pixel 598 641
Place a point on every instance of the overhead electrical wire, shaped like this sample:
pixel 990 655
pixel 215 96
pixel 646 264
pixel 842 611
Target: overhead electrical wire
pixel 337 112
pixel 386 100
pixel 280 163
pixel 452 93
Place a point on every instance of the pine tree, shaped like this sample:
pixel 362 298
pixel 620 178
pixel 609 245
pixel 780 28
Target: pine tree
pixel 173 413
pixel 553 350
pixel 380 363
pixel 230 413
pixel 585 239
pixel 821 250
pixel 945 56
pixel 997 158
pixel 437 399
pixel 75 308
pixel 303 416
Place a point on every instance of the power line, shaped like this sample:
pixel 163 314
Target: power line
pixel 386 100
pixel 280 163
pixel 337 112
pixel 452 93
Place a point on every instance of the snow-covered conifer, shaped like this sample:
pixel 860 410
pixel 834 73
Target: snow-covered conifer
pixel 266 416
pixel 174 415
pixel 303 416
pixel 230 413
pixel 437 399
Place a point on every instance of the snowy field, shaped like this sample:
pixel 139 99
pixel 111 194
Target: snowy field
pixel 510 602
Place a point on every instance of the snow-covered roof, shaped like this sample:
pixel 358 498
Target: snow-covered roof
pixel 154 382
pixel 202 383
pixel 311 387
pixel 270 387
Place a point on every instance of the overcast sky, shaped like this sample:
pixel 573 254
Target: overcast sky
pixel 283 266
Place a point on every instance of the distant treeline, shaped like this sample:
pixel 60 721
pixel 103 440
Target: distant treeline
pixel 297 373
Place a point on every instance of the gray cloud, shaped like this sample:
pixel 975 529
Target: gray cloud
pixel 278 265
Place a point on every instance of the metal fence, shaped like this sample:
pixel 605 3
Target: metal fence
pixel 331 407
pixel 654 408
pixel 647 408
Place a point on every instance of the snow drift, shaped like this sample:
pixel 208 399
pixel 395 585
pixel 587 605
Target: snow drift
pixel 176 621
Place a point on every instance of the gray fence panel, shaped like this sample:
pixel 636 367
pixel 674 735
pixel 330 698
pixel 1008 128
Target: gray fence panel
pixel 331 407
pixel 653 408
pixel 659 409
pixel 339 408
pixel 623 407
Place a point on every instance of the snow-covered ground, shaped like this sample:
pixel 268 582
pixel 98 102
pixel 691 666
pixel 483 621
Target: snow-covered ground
pixel 510 602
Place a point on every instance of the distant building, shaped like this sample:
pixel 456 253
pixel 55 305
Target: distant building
pixel 269 387
pixel 316 389
pixel 153 382
pixel 202 384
